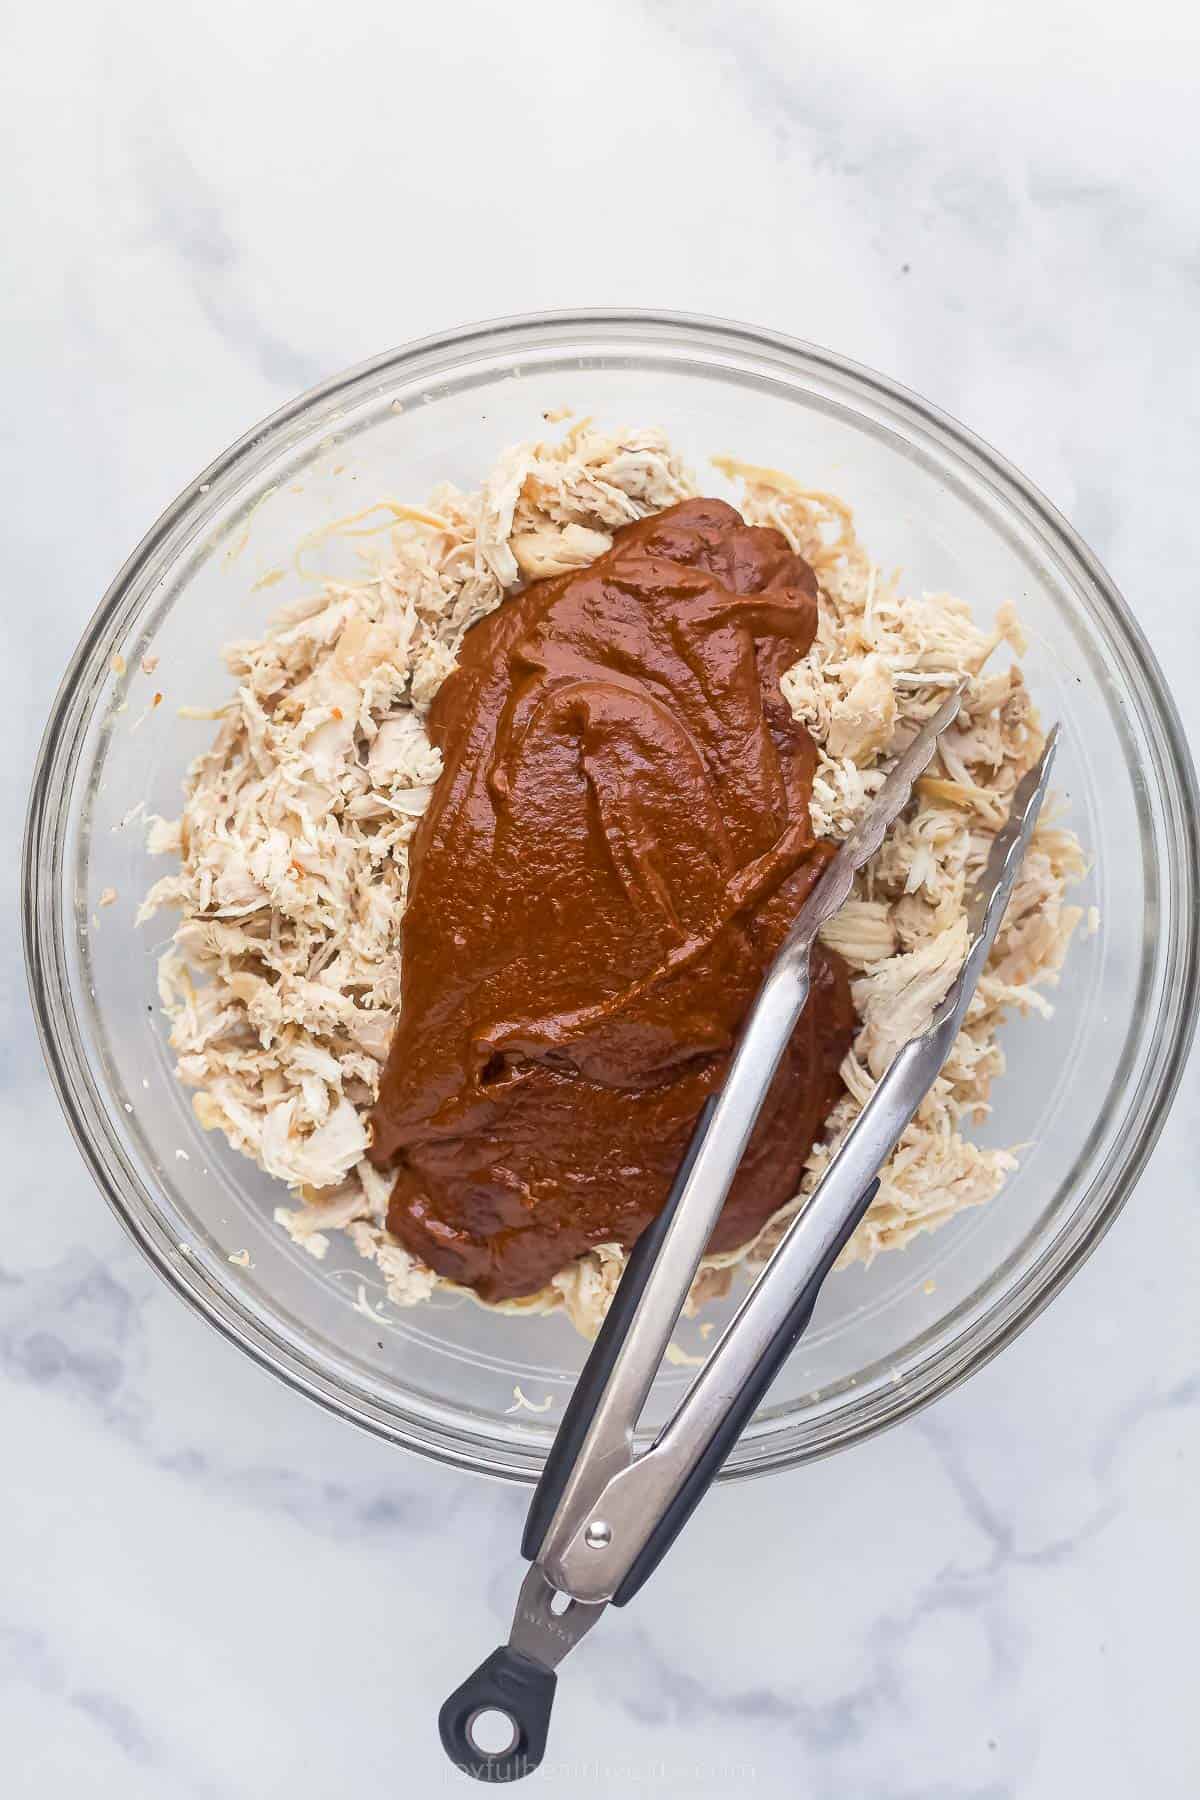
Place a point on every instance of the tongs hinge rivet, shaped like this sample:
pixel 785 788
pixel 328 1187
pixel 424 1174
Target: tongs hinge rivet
pixel 598 1535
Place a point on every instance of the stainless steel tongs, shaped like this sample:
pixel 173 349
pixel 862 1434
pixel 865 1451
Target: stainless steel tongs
pixel 602 1517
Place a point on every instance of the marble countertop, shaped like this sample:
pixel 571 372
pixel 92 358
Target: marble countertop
pixel 209 1588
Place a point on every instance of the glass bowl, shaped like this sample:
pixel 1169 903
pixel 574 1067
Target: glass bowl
pixel 1085 1093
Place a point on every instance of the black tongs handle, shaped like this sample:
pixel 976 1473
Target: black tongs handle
pixel 511 1686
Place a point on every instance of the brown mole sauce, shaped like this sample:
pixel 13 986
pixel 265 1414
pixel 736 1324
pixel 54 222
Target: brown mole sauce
pixel 611 857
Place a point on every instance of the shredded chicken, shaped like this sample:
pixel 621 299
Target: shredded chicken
pixel 283 977
pixel 880 666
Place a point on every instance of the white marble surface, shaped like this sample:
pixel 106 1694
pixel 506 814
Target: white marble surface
pixel 208 1588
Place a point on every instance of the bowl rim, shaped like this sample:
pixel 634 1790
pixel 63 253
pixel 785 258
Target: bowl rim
pixel 44 944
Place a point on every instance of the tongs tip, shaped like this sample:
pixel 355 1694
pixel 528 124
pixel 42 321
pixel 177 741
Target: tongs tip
pixel 1031 791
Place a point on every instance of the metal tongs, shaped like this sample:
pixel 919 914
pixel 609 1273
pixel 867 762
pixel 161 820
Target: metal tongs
pixel 602 1517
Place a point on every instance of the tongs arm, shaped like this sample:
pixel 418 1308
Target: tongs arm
pixel 612 1388
pixel 595 1440
pixel 645 1504
pixel 609 1519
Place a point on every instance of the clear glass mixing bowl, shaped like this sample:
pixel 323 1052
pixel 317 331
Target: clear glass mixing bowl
pixel 1085 1092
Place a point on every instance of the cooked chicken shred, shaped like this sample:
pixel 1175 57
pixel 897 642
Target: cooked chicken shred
pixel 283 977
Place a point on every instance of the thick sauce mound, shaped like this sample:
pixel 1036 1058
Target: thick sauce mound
pixel 614 851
